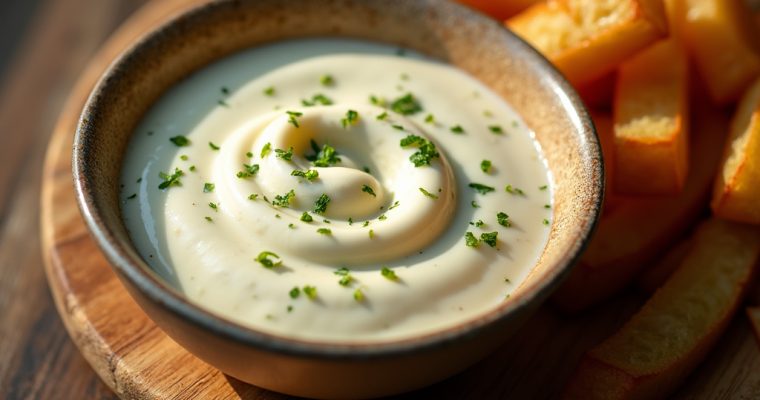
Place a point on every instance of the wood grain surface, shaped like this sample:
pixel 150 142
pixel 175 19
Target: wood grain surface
pixel 133 357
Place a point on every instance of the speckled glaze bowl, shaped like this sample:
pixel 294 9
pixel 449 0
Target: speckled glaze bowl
pixel 478 45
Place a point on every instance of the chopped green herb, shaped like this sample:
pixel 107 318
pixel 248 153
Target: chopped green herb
pixel 365 224
pixel 286 155
pixel 430 119
pixel 317 99
pixel 305 217
pixel 209 219
pixel 478 223
pixel 496 129
pixel 503 219
pixel 470 240
pixel 378 101
pixel 248 171
pixel 404 77
pixel 382 116
pixel 291 226
pixel 214 206
pixel 371 233
pixel 345 275
pixel 545 221
pixel 324 231
pixel 183 157
pixel 350 221
pixel 266 262
pixel 474 204
pixel 366 169
pixel 132 196
pixel 320 206
pixel 352 117
pixel 310 292
pixel 208 187
pixel 253 196
pixel 367 189
pixel 398 127
pixel 309 175
pixel 139 180
pixel 389 274
pixel 171 180
pixel 290 308
pixel 284 200
pixel 327 80
pixel 225 90
pixel 480 188
pixel 395 204
pixel 485 166
pixel 266 150
pixel 192 168
pixel 513 190
pixel 457 129
pixel 269 91
pixel 426 150
pixel 213 146
pixel 249 154
pixel 325 157
pixel 295 292
pixel 345 280
pixel 180 141
pixel 382 217
pixel 544 187
pixel 358 295
pixel 223 103
pixel 547 206
pixel 292 117
pixel 428 194
pixel 489 238
pixel 406 105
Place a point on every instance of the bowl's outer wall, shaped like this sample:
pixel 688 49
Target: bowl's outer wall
pixel 443 30
pixel 337 378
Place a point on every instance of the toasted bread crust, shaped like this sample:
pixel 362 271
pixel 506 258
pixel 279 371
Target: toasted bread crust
pixel 645 359
pixel 736 194
pixel 651 121
pixel 724 43
pixel 586 39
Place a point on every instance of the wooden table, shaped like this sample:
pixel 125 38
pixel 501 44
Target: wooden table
pixel 38 360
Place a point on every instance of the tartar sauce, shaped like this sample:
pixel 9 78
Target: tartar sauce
pixel 336 190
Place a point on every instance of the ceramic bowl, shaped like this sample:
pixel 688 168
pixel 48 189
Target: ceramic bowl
pixel 447 31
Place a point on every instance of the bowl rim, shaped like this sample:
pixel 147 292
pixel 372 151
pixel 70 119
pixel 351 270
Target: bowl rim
pixel 139 274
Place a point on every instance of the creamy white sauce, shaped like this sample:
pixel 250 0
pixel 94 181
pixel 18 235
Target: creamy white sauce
pixel 209 252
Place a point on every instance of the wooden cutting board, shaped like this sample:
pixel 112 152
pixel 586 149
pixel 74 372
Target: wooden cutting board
pixel 137 360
